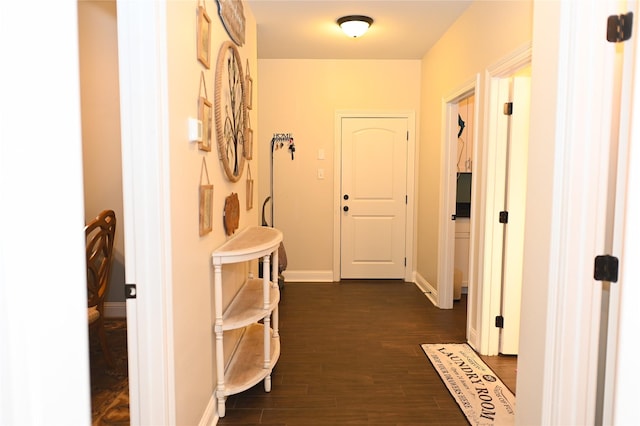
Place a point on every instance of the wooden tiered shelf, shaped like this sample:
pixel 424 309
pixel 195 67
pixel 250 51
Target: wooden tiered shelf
pixel 253 311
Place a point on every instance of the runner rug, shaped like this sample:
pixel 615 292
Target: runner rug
pixel 481 395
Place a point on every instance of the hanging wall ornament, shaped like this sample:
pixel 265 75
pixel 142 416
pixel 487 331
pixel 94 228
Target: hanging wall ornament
pixel 205 115
pixel 206 202
pixel 230 111
pixel 231 215
pixel 232 16
pixel 247 149
pixel 248 87
pixel 249 188
pixel 203 35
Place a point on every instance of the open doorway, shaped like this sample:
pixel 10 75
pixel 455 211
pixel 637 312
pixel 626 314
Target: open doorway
pixel 464 179
pixel 456 236
pixel 496 184
pixel 102 169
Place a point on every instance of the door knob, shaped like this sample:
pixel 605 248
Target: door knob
pixel 345 208
pixel 346 197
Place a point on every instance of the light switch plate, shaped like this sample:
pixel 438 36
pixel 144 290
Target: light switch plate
pixel 195 130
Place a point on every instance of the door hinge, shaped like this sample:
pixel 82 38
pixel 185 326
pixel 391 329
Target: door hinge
pixel 406 199
pixel 605 268
pixel 508 108
pixel 503 217
pixel 405 262
pixel 130 291
pixel 619 27
pixel 500 321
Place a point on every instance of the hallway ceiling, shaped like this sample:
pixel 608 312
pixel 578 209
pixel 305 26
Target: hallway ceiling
pixel 305 29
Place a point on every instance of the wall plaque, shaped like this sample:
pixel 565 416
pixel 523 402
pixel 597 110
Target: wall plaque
pixel 232 15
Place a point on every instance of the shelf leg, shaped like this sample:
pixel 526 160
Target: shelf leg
pixel 222 406
pixel 275 322
pixel 267 341
pixel 266 273
pixel 219 340
pixel 267 383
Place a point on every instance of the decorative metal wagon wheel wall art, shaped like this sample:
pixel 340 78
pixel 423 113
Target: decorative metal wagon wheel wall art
pixel 230 100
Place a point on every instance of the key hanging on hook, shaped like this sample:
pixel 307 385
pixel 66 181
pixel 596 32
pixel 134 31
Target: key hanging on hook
pixel 292 147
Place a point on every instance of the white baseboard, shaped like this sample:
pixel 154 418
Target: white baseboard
pixel 210 416
pixel 427 289
pixel 472 339
pixel 115 309
pixel 308 276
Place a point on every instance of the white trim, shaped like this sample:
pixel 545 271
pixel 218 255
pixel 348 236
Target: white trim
pixel 446 230
pixel 411 185
pixel 620 399
pixel 115 309
pixel 489 234
pixel 616 399
pixel 142 49
pixel 570 132
pixel 308 276
pixel 425 287
pixel 210 416
pixel 583 129
pixel 475 228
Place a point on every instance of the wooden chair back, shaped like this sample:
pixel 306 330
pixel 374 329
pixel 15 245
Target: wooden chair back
pixel 100 233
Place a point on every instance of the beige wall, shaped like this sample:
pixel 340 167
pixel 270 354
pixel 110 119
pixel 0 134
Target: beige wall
pixel 192 275
pixel 302 97
pixel 193 340
pixel 485 33
pixel 98 43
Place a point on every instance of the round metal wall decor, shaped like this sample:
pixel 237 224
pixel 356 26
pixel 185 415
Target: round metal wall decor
pixel 230 111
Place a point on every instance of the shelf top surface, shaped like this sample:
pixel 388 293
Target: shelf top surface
pixel 255 239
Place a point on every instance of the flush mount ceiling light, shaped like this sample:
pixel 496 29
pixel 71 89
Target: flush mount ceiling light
pixel 355 25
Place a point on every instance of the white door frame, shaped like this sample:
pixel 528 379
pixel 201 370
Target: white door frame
pixel 446 230
pixel 412 159
pixel 620 403
pixel 614 399
pixel 571 101
pixel 142 47
pixel 489 257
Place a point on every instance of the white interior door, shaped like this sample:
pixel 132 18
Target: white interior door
pixel 515 202
pixel 373 197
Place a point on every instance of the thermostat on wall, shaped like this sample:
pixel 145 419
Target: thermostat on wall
pixel 195 130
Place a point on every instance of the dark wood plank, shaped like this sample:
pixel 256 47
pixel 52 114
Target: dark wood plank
pixel 505 367
pixel 351 355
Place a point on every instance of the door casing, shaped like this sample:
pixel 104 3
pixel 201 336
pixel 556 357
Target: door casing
pixel 489 249
pixel 411 167
pixel 448 155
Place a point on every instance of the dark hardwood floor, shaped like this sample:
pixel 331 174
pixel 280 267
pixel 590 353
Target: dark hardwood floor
pixel 350 354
